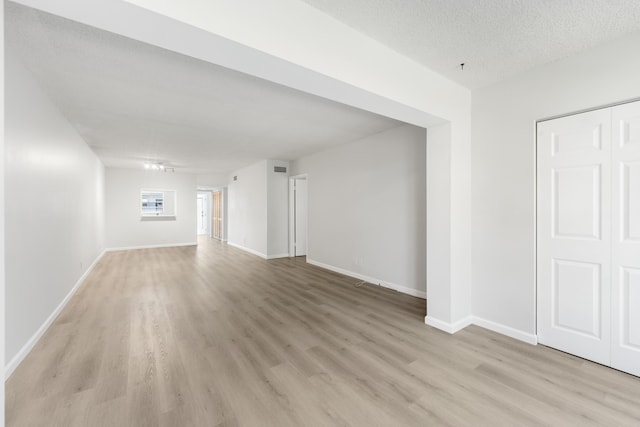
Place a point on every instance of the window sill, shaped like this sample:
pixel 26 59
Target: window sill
pixel 158 218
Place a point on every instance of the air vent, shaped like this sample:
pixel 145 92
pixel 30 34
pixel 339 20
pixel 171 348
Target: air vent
pixel 280 169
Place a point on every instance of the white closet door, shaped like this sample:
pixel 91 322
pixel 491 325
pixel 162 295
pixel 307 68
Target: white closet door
pixel 574 234
pixel 625 352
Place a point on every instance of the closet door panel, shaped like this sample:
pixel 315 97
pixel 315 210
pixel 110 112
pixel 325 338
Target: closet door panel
pixel 574 234
pixel 625 352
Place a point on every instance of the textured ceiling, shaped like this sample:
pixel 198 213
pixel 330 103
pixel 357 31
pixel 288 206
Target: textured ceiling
pixel 495 39
pixel 132 102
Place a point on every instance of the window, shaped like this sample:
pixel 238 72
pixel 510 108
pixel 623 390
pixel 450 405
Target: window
pixel 152 203
pixel 157 204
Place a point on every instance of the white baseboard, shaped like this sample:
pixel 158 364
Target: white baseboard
pixel 373 280
pixel 506 330
pixel 451 328
pixel 165 245
pixel 278 256
pixel 24 351
pixel 251 251
pixel 404 290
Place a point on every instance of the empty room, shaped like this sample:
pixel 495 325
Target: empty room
pixel 319 213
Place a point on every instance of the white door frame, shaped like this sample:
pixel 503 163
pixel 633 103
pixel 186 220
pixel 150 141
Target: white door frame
pixel 292 207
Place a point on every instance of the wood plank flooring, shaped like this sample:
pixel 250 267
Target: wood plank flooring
pixel 213 336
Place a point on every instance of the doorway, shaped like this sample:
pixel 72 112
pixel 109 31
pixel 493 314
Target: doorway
pixel 298 215
pixel 203 213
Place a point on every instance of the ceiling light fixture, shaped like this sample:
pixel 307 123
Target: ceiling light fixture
pixel 157 166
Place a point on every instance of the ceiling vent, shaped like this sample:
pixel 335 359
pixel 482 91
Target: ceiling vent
pixel 280 169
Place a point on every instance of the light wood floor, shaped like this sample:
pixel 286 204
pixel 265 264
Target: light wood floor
pixel 212 336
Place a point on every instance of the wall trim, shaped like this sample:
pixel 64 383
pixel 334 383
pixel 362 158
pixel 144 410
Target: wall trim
pixel 586 110
pixel 26 349
pixel 506 330
pixel 450 328
pixel 251 251
pixel 285 255
pixel 499 328
pixel 373 280
pixel 165 245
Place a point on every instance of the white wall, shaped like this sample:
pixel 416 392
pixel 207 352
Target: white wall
pixel 258 209
pixel 367 208
pixel 503 169
pixel 213 180
pixel 438 225
pixel 123 224
pixel 277 210
pixel 2 254
pixel 225 214
pixel 248 209
pixel 54 192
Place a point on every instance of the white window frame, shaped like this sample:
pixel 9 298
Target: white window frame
pixel 163 214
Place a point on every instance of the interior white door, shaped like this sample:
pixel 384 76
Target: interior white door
pixel 574 234
pixel 625 351
pixel 301 200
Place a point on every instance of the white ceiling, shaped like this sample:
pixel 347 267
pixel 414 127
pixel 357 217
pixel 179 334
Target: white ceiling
pixel 133 102
pixel 495 39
